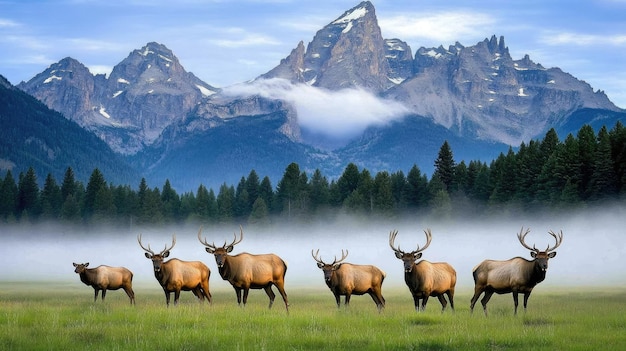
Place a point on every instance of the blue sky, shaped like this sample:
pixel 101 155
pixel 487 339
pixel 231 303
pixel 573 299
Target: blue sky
pixel 226 42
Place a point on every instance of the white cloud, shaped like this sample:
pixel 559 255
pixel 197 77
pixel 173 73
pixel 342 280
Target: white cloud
pixel 441 27
pixel 579 39
pixel 342 113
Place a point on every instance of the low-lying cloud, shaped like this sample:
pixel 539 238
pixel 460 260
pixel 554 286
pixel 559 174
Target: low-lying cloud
pixel 338 114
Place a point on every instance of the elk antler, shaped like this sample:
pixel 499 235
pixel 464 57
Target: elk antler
pixel 152 252
pixel 343 257
pixel 171 247
pixel 521 236
pixel 235 242
pixel 204 242
pixel 319 260
pixel 140 244
pixel 559 239
pixel 392 239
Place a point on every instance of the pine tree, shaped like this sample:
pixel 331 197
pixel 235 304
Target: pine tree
pixel 587 145
pixel 604 182
pixel 445 165
pixel 50 198
pixel 8 197
pixel 416 188
pixel 28 195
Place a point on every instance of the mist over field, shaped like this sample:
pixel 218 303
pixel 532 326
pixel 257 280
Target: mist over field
pixel 592 252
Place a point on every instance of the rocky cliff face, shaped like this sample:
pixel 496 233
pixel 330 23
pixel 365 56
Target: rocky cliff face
pixel 348 52
pixel 144 93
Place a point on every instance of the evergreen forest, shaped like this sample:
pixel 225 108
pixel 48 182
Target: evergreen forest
pixel 581 170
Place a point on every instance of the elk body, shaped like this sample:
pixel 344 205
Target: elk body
pixel 517 275
pixel 245 271
pixel 106 278
pixel 425 279
pixel 176 275
pixel 350 279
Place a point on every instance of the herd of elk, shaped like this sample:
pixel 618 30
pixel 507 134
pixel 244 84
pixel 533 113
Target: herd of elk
pixel 176 275
pixel 517 275
pixel 246 271
pixel 350 279
pixel 106 278
pixel 424 278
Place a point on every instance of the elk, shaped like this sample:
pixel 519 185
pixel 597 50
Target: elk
pixel 517 275
pixel 246 271
pixel 425 279
pixel 106 278
pixel 176 275
pixel 350 279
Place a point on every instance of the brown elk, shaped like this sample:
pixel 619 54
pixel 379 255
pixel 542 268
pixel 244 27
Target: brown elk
pixel 106 278
pixel 245 271
pixel 176 275
pixel 424 278
pixel 517 275
pixel 350 279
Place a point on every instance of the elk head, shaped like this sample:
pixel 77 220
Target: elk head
pixel 329 268
pixel 157 259
pixel 409 258
pixel 80 267
pixel 220 253
pixel 541 257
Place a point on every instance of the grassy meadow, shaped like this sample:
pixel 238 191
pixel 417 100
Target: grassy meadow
pixel 63 316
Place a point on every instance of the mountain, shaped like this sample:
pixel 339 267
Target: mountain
pixel 171 125
pixel 144 93
pixel 32 135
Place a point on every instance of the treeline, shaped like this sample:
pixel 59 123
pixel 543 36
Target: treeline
pixel 543 174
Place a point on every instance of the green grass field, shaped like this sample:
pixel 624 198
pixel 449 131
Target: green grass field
pixel 63 316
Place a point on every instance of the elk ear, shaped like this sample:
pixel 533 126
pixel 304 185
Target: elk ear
pixel 229 249
pixel 417 255
pixel 148 256
pixel 86 264
pixel 336 267
pixel 166 254
pixel 551 254
pixel 209 250
pixel 399 255
pixel 75 264
pixel 533 254
pixel 320 265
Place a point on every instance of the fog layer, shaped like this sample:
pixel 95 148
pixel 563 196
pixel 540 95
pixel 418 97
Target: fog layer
pixel 591 254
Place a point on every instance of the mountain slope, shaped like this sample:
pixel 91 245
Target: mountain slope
pixel 32 135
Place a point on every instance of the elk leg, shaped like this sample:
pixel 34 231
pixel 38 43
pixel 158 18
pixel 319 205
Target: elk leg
pixel 348 299
pixel 485 299
pixel 526 296
pixel 416 301
pixel 443 302
pixel 167 297
pixel 104 292
pixel 281 290
pixel 245 295
pixel 477 292
pixel 131 294
pixel 95 296
pixel 337 299
pixel 270 294
pixel 205 289
pixel 238 293
pixel 450 294
pixel 515 301
pixel 176 296
pixel 424 301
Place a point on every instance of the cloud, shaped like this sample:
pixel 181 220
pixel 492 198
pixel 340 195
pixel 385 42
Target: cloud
pixel 338 114
pixel 579 39
pixel 441 27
